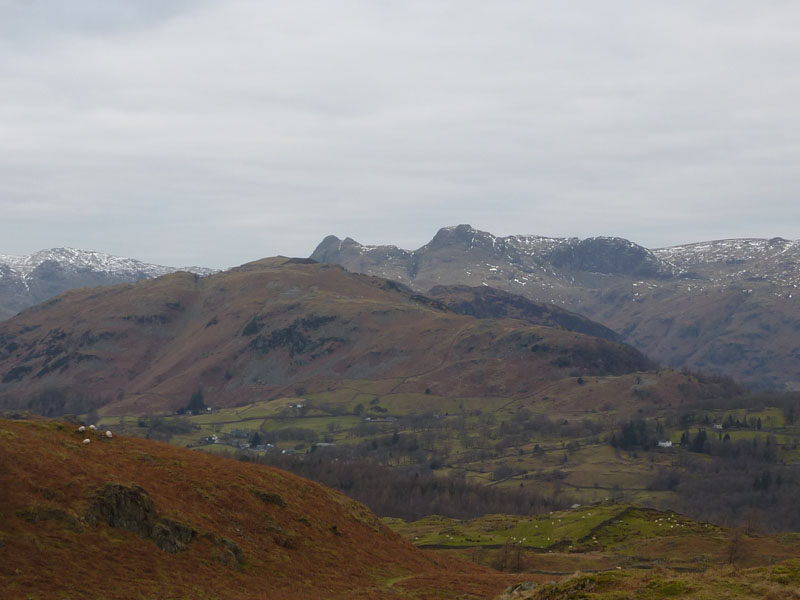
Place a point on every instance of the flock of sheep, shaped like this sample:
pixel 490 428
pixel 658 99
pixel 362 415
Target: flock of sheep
pixel 83 428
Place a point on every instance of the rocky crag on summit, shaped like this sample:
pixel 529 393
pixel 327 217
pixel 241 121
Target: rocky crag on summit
pixel 726 306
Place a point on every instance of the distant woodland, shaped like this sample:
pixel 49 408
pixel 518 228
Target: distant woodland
pixel 739 482
pixel 408 492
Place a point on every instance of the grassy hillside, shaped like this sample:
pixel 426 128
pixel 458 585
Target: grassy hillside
pixel 599 536
pixel 617 551
pixel 131 518
pixel 774 582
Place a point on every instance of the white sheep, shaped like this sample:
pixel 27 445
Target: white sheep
pixel 108 434
pixel 92 427
pixel 81 428
pixel 86 441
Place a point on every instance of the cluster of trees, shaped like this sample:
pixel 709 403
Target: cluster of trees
pixel 159 428
pixel 636 434
pixel 526 422
pixel 734 479
pixel 301 434
pixel 641 434
pixel 740 478
pixel 787 402
pixel 723 490
pixel 717 386
pixel 758 448
pixel 57 402
pixel 411 492
pixel 397 449
pixel 687 419
pixel 196 404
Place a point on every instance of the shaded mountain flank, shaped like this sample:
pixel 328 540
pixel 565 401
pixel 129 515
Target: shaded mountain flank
pixel 726 306
pixel 131 518
pixel 272 328
pixel 491 303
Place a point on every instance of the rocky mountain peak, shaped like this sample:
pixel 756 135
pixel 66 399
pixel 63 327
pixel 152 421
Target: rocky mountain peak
pixel 459 234
pixel 609 256
pixel 465 236
pixel 329 247
pixel 727 305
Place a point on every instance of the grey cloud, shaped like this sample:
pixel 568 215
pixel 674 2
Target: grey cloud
pixel 218 132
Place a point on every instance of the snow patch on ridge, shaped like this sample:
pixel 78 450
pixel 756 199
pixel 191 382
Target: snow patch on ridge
pixel 87 260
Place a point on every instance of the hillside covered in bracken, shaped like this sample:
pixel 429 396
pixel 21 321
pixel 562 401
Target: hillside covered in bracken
pixel 272 328
pixel 128 518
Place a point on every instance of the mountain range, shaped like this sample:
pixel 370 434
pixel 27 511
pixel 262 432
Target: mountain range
pixel 726 306
pixel 439 362
pixel 28 280
pixel 272 327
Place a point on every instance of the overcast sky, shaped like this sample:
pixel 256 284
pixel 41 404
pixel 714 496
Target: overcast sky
pixel 214 132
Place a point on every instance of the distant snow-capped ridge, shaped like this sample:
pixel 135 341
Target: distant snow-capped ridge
pixel 530 253
pixel 741 249
pixel 88 260
pixel 726 306
pixel 464 255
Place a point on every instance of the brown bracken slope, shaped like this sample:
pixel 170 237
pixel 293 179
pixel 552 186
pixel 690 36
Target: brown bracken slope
pixel 268 328
pixel 130 518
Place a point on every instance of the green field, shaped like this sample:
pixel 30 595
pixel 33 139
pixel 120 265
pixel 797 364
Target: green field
pixel 604 545
pixel 587 528
pixel 544 443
